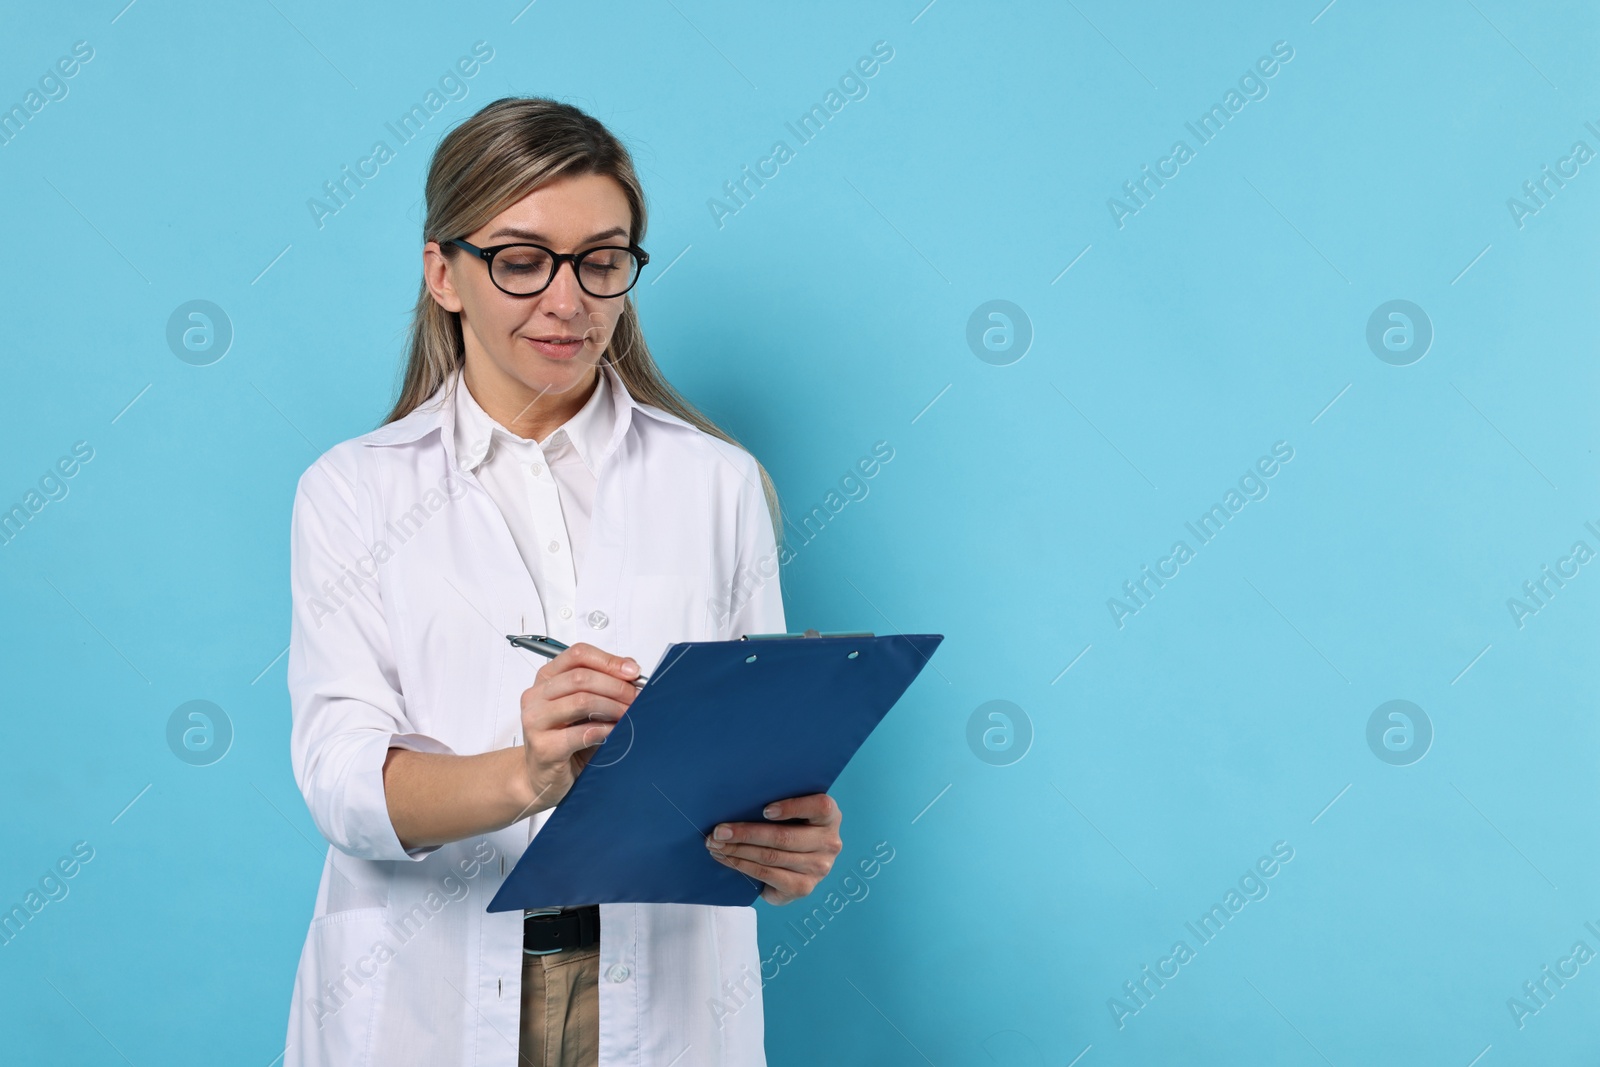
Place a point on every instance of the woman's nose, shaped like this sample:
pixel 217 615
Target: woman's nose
pixel 563 295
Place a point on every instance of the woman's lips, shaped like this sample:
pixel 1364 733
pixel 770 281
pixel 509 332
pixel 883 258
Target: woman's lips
pixel 558 349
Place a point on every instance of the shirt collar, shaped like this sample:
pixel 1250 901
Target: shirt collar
pixel 588 430
pixel 438 413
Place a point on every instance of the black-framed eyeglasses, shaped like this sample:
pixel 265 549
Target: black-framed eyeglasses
pixel 526 269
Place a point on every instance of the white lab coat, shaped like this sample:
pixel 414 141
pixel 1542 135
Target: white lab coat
pixel 405 580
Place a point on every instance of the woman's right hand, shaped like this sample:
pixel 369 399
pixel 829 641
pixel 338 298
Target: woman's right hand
pixel 573 704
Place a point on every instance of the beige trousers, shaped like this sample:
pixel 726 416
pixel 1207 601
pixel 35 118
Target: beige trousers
pixel 561 1009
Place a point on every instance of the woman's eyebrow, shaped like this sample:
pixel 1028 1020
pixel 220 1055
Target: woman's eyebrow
pixel 530 235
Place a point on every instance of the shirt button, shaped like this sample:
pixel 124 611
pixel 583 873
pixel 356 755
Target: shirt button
pixel 536 469
pixel 566 612
pixel 555 546
pixel 598 619
pixel 618 972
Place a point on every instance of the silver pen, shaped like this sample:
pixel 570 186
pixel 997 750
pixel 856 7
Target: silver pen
pixel 550 648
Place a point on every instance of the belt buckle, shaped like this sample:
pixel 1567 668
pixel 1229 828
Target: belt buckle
pixel 532 913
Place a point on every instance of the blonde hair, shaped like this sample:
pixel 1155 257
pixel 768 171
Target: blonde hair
pixel 492 160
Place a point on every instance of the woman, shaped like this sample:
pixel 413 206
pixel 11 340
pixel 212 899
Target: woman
pixel 536 475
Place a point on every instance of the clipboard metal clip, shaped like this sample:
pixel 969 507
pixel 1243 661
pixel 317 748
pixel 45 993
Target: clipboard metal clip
pixel 807 633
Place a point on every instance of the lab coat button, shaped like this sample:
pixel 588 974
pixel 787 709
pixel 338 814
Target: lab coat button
pixel 566 612
pixel 598 620
pixel 619 972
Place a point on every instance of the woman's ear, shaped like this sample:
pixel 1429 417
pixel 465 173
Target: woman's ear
pixel 436 275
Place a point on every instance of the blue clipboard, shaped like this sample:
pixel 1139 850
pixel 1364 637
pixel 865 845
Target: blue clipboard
pixel 721 729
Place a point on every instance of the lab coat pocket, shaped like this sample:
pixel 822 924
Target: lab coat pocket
pixel 343 968
pixel 667 608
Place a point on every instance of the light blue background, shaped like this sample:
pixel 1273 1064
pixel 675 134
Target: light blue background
pixel 1228 314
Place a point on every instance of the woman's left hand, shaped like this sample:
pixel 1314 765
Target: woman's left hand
pixel 790 859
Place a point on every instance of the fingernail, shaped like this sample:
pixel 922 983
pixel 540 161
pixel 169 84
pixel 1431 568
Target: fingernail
pixel 715 846
pixel 770 811
pixel 629 667
pixel 723 833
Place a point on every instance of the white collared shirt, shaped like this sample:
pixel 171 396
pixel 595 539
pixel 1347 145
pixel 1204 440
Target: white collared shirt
pixel 545 490
pixel 405 577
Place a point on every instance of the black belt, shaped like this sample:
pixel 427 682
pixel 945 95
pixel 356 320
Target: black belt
pixel 554 931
